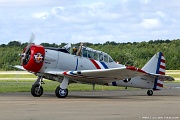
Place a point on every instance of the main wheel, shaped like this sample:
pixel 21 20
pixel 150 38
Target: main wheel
pixel 36 91
pixel 150 92
pixel 61 93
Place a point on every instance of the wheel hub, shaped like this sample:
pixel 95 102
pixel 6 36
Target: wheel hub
pixel 37 91
pixel 62 92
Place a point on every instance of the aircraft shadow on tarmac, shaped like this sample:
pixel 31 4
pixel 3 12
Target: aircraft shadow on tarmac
pixel 99 95
pixel 120 95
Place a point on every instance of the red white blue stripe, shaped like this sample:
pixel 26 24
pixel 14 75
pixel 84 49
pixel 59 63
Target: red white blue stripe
pixel 99 65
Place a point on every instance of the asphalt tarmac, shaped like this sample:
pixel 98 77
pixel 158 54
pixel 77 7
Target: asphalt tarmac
pixel 97 105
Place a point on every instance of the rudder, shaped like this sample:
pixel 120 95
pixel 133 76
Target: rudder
pixel 156 65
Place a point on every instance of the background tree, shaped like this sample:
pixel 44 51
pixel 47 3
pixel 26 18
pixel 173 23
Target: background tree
pixel 134 54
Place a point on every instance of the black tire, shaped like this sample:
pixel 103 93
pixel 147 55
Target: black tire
pixel 61 93
pixel 150 92
pixel 36 91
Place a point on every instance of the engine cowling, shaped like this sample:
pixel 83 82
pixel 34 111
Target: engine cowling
pixel 34 58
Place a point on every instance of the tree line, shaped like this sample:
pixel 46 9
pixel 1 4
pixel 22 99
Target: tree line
pixel 134 54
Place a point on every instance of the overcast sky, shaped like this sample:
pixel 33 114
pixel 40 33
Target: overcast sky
pixel 94 21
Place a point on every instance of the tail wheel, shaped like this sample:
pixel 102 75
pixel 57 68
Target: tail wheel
pixel 36 90
pixel 61 93
pixel 150 92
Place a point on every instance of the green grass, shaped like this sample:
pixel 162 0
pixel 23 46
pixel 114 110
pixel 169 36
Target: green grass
pixel 176 81
pixel 15 85
pixel 20 86
pixel 17 76
pixel 175 71
pixel 25 86
pixel 175 75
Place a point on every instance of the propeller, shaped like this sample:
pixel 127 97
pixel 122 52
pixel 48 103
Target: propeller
pixel 30 42
pixel 25 55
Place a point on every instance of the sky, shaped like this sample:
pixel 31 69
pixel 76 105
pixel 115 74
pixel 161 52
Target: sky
pixel 94 21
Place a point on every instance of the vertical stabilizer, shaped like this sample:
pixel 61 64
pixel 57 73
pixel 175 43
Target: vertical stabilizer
pixel 156 65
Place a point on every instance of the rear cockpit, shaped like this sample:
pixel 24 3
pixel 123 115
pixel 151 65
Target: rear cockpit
pixel 95 54
pixel 87 52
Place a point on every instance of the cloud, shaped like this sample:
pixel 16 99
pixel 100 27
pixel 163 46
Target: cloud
pixel 85 13
pixel 93 21
pixel 150 23
pixel 22 3
pixel 144 1
pixel 40 15
pixel 92 39
pixel 161 14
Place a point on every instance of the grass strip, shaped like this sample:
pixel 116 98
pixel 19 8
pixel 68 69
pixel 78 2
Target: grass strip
pixel 25 86
pixel 17 76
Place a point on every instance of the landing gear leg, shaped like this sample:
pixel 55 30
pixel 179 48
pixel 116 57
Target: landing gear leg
pixel 150 92
pixel 37 89
pixel 62 91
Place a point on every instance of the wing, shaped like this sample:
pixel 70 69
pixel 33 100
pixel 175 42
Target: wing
pixel 103 76
pixel 99 76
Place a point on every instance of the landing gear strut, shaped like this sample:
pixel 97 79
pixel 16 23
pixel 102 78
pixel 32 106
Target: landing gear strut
pixel 150 92
pixel 62 91
pixel 37 89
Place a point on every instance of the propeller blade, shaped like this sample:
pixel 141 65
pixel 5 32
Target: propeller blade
pixel 30 42
pixel 23 55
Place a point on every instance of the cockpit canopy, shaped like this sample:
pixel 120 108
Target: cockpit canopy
pixel 91 53
pixel 95 54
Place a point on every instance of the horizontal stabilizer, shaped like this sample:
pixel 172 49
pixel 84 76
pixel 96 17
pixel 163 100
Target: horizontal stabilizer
pixel 157 76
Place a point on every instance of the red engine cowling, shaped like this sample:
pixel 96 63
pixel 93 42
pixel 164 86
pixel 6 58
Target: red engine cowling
pixel 34 58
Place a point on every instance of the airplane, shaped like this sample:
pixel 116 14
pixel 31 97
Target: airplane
pixel 88 66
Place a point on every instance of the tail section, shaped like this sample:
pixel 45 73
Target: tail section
pixel 156 65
